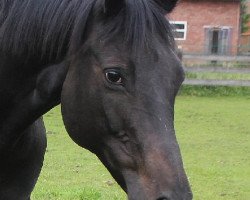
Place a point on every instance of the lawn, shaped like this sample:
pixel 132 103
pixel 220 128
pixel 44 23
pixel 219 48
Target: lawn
pixel 218 76
pixel 214 136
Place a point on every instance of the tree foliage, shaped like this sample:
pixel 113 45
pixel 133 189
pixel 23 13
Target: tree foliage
pixel 245 17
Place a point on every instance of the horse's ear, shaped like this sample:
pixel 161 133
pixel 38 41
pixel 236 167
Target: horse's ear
pixel 167 5
pixel 113 7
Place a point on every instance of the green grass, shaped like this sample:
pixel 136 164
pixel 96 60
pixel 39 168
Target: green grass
pixel 217 76
pixel 214 91
pixel 214 136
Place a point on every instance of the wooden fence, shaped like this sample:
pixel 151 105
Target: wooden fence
pixel 218 69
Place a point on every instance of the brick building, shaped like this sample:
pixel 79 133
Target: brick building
pixel 207 26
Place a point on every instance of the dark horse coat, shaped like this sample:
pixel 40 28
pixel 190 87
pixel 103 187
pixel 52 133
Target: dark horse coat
pixel 112 65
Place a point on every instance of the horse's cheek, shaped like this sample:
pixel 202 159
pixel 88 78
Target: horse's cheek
pixel 69 108
pixel 77 111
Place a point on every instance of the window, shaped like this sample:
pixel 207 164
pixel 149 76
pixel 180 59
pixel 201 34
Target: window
pixel 218 40
pixel 180 29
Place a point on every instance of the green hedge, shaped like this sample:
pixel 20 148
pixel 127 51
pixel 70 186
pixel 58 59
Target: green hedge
pixel 214 91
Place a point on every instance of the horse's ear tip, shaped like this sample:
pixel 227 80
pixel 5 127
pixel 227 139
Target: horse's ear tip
pixel 112 6
pixel 167 5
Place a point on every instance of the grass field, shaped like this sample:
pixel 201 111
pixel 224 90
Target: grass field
pixel 214 136
pixel 218 76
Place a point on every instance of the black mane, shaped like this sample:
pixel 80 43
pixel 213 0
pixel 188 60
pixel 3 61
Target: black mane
pixel 52 28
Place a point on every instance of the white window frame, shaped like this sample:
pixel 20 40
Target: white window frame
pixel 181 30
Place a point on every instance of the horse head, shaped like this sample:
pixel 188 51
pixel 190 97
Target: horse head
pixel 119 93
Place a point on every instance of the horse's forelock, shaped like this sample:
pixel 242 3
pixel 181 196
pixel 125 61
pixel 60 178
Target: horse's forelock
pixel 139 24
pixel 50 28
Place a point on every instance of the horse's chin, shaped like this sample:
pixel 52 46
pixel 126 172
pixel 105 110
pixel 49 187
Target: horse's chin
pixel 141 187
pixel 158 195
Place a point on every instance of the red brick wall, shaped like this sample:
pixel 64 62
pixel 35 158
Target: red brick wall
pixel 200 13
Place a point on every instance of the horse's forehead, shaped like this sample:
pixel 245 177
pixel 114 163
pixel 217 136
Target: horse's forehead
pixel 113 56
pixel 120 53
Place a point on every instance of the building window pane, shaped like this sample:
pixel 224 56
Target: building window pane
pixel 179 35
pixel 180 29
pixel 179 26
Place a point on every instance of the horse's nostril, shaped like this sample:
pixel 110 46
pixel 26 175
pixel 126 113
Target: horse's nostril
pixel 163 198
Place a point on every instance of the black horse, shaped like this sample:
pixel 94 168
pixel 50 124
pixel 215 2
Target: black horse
pixel 112 66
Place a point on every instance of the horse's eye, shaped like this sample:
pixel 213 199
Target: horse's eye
pixel 114 77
